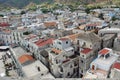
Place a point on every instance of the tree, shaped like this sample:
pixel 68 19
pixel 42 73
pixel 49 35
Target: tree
pixel 87 10
pixel 45 10
pixel 22 12
pixel 114 18
pixel 26 33
pixel 1 15
pixel 101 16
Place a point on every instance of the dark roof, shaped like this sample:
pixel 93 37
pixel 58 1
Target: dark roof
pixel 44 53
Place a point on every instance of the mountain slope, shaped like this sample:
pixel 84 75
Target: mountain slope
pixel 21 3
pixel 80 1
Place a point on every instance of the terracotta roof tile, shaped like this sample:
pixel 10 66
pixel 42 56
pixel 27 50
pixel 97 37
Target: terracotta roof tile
pixel 56 51
pixel 50 24
pixel 25 58
pixel 41 43
pixel 86 50
pixel 104 51
pixel 116 65
pixel 4 24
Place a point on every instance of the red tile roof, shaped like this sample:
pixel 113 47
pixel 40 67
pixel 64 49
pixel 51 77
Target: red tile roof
pixel 86 50
pixel 56 51
pixel 104 51
pixel 25 58
pixel 73 36
pixel 41 43
pixel 50 24
pixel 4 24
pixel 64 39
pixel 116 65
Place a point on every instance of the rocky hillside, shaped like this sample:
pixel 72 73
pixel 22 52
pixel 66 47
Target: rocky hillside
pixel 80 1
pixel 21 3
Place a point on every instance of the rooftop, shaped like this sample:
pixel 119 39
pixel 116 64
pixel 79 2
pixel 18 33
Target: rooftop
pixel 41 42
pixel 30 36
pixel 90 37
pixel 69 49
pixel 4 24
pixel 86 50
pixel 73 36
pixel 99 73
pixel 50 24
pixel 31 70
pixel 56 51
pixel 116 65
pixel 108 36
pixel 105 64
pixel 18 51
pixel 24 58
pixel 104 51
pixel 64 39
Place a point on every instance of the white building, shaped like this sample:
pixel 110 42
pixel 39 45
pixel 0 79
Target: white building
pixel 63 62
pixel 100 67
pixel 27 66
pixel 117 43
pixel 85 59
pixel 115 71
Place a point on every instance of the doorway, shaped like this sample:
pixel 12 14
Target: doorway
pixel 93 67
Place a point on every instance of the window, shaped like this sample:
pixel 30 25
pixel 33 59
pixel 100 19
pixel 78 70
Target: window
pixel 107 55
pixel 82 61
pixel 75 63
pixel 81 71
pixel 61 69
pixel 72 50
pixel 78 42
pixel 91 45
pixel 38 68
pixel 56 61
pixel 68 74
pixel 70 66
pixel 66 42
pixel 10 37
pixel 83 56
pixel 74 70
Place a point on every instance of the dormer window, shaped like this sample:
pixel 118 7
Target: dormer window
pixel 107 55
pixel 104 53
